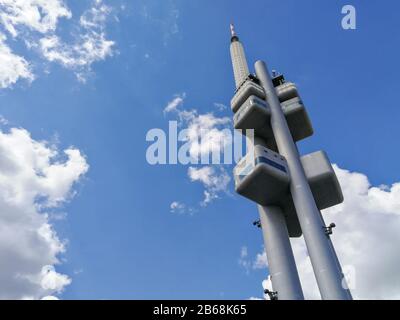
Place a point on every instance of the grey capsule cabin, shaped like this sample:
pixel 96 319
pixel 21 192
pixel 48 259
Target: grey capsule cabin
pixel 262 176
pixel 295 113
pixel 254 114
pixel 252 111
pixel 322 179
pixel 286 91
pixel 248 88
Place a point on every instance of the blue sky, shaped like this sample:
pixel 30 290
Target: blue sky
pixel 123 241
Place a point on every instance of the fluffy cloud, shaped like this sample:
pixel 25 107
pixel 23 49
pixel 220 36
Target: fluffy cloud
pixel 35 179
pixel 35 22
pixel 175 103
pixel 214 179
pixel 260 261
pixel 366 239
pixel 207 139
pixel 38 15
pixel 220 106
pixel 12 66
pixel 206 135
pixel 177 207
pixel 88 49
pixel 90 44
pixel 243 259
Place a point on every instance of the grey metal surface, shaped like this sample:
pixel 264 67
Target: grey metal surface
pixel 322 179
pixel 244 91
pixel 281 264
pixel 240 68
pixel 327 270
pixel 257 116
pixel 297 119
pixel 262 176
pixel 253 114
pixel 286 91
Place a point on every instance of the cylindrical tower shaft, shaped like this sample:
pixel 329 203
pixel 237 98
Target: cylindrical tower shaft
pixel 239 62
pixel 281 264
pixel 327 270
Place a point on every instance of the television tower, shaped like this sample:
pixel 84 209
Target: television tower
pixel 289 190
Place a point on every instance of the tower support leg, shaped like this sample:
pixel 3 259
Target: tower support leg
pixel 281 264
pixel 323 258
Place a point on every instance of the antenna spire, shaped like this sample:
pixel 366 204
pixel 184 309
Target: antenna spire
pixel 233 33
pixel 234 36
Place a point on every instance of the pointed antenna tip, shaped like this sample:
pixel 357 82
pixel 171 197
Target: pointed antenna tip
pixel 233 33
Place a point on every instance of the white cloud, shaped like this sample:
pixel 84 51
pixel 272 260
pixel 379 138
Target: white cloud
pixel 220 106
pixel 89 46
pixel 207 135
pixel 175 103
pixel 95 17
pixel 177 207
pixel 366 239
pixel 38 15
pixel 243 259
pixel 34 177
pixel 49 280
pixel 266 285
pixel 243 252
pixel 12 66
pixel 205 132
pixel 36 23
pixel 261 261
pixel 181 208
pixel 3 121
pixel 214 179
pixel 255 298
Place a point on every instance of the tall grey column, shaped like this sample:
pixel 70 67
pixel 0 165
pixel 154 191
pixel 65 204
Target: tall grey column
pixel 281 264
pixel 239 62
pixel 327 271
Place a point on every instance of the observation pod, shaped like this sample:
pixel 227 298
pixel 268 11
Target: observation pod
pixel 245 90
pixel 293 108
pixel 252 111
pixel 254 114
pixel 297 119
pixel 262 176
pixel 296 114
pixel 286 91
pixel 323 182
pixel 324 186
